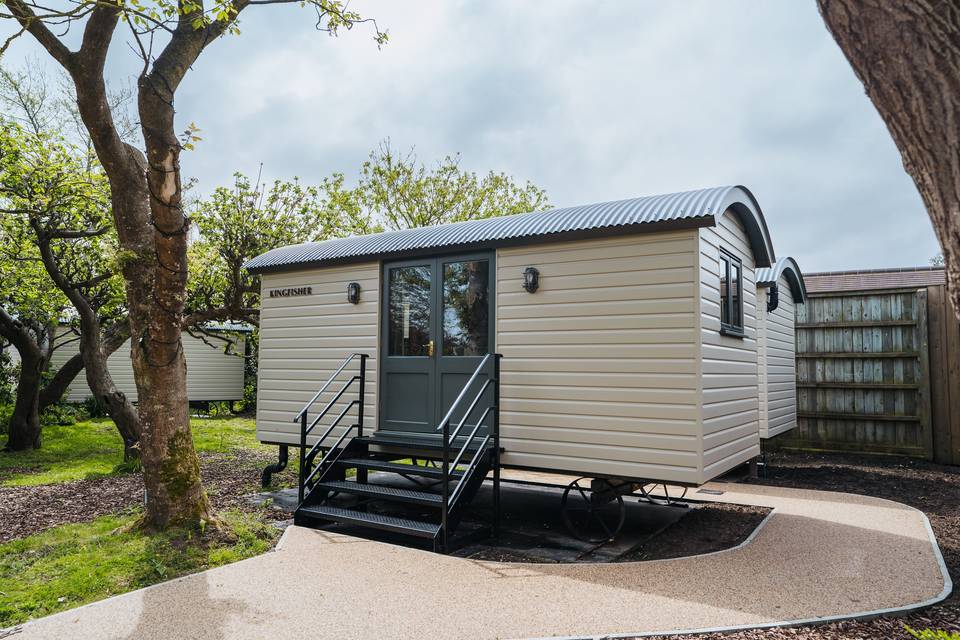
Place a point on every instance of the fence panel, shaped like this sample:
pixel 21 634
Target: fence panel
pixel 863 380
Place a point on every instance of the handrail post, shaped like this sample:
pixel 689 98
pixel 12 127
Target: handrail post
pixel 303 454
pixel 362 473
pixel 363 388
pixel 445 482
pixel 496 446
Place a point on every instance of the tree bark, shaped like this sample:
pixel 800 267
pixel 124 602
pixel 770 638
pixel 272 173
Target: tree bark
pixel 24 429
pixel 54 390
pixel 907 54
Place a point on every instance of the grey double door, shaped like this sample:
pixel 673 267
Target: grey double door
pixel 437 324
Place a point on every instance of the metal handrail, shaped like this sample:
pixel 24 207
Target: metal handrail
pixel 330 429
pixel 469 412
pixel 343 365
pixel 331 403
pixel 466 444
pixel 448 499
pixel 323 460
pixel 466 475
pixel 463 392
pixel 302 417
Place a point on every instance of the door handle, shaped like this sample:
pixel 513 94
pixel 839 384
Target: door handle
pixel 430 349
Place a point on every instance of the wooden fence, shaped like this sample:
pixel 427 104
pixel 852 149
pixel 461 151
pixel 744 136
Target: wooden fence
pixel 878 371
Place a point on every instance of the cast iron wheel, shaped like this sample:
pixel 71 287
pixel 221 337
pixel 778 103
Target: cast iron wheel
pixel 587 521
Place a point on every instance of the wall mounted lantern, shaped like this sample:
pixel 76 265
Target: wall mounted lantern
pixel 531 279
pixel 773 297
pixel 353 293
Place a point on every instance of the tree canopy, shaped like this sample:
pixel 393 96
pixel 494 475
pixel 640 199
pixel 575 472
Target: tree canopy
pixel 397 191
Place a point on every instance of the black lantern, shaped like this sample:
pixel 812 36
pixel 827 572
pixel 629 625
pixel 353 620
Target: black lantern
pixel 773 298
pixel 531 279
pixel 353 292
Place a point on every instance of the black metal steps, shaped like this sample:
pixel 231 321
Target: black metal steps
pixel 372 520
pixel 383 492
pixel 412 443
pixel 396 467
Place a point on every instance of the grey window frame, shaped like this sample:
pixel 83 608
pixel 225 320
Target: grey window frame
pixel 734 328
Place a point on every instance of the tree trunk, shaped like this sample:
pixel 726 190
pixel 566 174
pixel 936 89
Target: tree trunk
pixel 170 463
pixel 907 54
pixel 55 389
pixel 116 403
pixel 24 429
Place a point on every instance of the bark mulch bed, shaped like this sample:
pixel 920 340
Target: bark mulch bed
pixel 706 529
pixel 934 489
pixel 28 510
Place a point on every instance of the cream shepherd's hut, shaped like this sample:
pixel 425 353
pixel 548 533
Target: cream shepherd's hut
pixel 212 374
pixel 780 289
pixel 616 341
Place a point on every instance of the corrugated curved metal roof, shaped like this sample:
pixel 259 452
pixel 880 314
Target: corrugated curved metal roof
pixel 702 207
pixel 784 266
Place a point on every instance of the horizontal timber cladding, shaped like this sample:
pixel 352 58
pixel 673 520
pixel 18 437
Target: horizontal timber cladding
pixel 863 373
pixel 728 365
pixel 777 365
pixel 599 374
pixel 212 375
pixel 303 339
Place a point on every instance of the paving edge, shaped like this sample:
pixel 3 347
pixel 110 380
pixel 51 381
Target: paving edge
pixel 860 615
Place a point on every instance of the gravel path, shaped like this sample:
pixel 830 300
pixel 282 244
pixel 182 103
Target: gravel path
pixel 934 489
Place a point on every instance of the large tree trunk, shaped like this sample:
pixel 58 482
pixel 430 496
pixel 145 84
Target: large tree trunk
pixel 154 267
pixel 907 54
pixel 24 428
pixel 170 463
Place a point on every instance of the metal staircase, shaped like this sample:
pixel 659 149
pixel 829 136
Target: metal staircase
pixel 448 468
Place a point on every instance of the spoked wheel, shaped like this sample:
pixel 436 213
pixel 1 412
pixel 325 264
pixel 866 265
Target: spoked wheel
pixel 659 493
pixel 585 519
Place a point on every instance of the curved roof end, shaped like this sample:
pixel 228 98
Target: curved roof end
pixel 740 201
pixel 788 268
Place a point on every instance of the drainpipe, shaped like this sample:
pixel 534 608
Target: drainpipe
pixel 276 467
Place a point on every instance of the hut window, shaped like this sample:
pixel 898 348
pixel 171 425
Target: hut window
pixel 731 298
pixel 466 307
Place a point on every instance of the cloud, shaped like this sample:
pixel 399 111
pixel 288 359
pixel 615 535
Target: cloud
pixel 592 102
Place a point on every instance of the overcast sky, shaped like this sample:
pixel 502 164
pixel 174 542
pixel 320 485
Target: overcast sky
pixel 591 101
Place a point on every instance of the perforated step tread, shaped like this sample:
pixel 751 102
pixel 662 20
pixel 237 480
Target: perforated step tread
pixel 372 520
pixel 383 492
pixel 414 444
pixel 397 467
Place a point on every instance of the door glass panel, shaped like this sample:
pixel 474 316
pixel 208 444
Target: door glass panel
pixel 466 307
pixel 409 311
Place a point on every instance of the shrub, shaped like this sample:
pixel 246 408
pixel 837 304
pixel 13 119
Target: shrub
pixel 64 414
pixel 94 408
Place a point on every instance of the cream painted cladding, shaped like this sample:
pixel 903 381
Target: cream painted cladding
pixel 303 339
pixel 777 362
pixel 599 372
pixel 211 374
pixel 728 365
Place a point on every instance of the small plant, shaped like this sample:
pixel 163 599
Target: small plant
pixel 933 634
pixel 94 408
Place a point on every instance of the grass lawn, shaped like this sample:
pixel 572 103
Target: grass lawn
pixel 93 448
pixel 71 565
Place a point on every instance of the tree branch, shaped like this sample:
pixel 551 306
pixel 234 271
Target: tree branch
pixel 35 27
